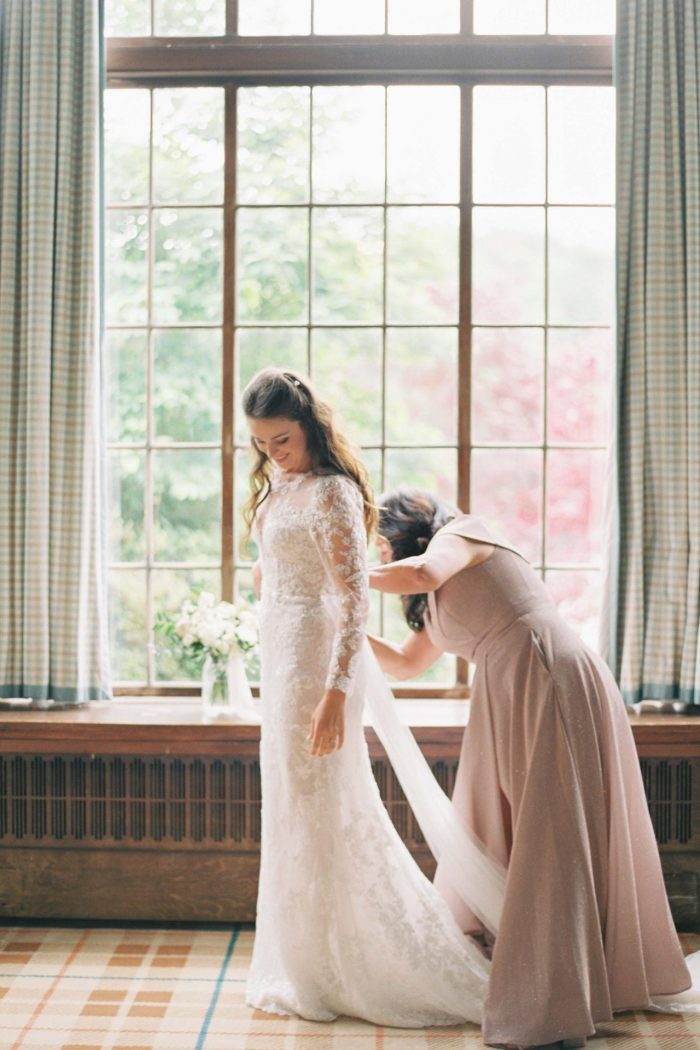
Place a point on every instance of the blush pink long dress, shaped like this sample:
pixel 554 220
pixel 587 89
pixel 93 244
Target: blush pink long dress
pixel 549 781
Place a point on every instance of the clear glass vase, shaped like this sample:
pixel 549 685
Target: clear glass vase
pixel 226 693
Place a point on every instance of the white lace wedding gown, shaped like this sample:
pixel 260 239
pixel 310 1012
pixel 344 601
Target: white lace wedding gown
pixel 346 921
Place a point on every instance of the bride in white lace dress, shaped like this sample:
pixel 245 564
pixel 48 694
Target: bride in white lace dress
pixel 346 921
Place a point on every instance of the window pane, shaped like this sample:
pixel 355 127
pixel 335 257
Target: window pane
pixel 187 265
pixel 272 267
pixel 572 16
pixel 170 588
pixel 422 265
pixel 508 265
pixel 434 469
pixel 346 366
pixel 348 143
pixel 347 261
pixel 509 145
pixel 244 592
pixel 127 624
pixel 126 267
pixel 184 18
pixel 245 550
pixel 126 473
pixel 509 16
pixel 421 386
pixel 263 347
pixel 127 18
pixel 273 145
pixel 374 623
pixel 187 505
pixel 581 151
pixel 127 120
pixel 126 356
pixel 579 365
pixel 415 16
pixel 187 384
pixel 274 17
pixel 361 16
pixel 188 145
pixel 578 596
pixel 423 144
pixel 372 459
pixel 396 630
pixel 507 491
pixel 574 505
pixel 581 260
pixel 507 384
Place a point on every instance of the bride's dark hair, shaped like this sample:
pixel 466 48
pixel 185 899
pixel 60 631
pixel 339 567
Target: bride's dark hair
pixel 274 393
pixel 408 520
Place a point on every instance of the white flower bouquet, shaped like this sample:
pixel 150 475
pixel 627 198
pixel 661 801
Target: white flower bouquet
pixel 212 638
pixel 206 627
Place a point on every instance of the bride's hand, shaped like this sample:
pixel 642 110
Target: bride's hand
pixel 328 724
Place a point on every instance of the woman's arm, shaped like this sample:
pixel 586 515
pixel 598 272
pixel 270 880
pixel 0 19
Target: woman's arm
pixel 415 654
pixel 340 535
pixel 445 556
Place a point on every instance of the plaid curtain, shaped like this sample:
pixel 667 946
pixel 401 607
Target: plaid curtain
pixel 654 611
pixel 53 594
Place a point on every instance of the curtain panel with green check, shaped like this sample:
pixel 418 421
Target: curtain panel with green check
pixel 53 596
pixel 653 626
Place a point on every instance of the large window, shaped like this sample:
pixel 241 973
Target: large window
pixel 433 247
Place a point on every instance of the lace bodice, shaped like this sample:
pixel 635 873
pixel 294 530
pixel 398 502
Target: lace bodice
pixel 311 535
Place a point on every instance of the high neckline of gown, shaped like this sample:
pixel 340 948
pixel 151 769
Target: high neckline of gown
pixel 282 478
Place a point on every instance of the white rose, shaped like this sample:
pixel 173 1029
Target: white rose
pixel 247 634
pixel 208 634
pixel 206 600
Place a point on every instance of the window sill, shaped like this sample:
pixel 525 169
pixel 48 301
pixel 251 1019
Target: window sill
pixel 174 725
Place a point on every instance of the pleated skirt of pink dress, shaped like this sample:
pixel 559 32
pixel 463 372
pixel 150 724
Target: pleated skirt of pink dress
pixel 549 781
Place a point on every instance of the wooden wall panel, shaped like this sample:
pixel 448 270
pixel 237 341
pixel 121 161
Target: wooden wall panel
pixel 96 830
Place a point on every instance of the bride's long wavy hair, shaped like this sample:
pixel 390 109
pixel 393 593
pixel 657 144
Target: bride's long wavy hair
pixel 275 393
pixel 408 520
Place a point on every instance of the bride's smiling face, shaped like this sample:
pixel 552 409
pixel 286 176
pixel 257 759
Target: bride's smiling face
pixel 281 440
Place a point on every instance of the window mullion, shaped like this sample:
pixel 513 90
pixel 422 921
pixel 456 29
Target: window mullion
pixel 228 385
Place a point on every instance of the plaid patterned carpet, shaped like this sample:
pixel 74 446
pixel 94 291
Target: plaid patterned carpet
pixel 72 987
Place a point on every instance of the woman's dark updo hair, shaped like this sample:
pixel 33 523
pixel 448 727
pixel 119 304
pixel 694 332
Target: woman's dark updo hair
pixel 408 520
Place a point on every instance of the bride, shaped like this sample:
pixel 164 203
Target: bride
pixel 346 921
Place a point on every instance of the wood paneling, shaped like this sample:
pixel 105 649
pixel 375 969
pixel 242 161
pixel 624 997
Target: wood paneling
pixel 357 59
pixel 102 817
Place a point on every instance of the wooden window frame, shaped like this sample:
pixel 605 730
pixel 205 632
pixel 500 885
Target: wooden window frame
pixel 230 61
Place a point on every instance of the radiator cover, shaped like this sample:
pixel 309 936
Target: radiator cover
pixel 143 802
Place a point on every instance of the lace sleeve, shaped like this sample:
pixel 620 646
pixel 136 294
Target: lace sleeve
pixel 340 534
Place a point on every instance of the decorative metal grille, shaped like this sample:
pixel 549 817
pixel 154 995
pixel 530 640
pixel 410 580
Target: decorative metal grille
pixel 669 790
pixel 140 802
pixel 189 802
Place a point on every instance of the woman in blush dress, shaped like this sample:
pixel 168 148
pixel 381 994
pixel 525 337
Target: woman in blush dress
pixel 548 780
pixel 346 921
